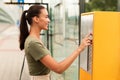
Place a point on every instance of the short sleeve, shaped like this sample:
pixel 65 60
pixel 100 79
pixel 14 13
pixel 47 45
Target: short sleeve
pixel 37 50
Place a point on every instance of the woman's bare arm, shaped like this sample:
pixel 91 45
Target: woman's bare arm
pixel 60 67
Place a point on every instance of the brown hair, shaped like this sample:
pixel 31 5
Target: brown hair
pixel 27 15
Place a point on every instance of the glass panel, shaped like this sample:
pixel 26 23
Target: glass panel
pixel 65 36
pixel 58 39
pixel 71 37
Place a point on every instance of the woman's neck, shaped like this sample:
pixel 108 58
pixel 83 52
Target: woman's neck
pixel 35 32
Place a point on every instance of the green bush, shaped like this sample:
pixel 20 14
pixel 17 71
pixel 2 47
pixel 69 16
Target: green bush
pixel 101 5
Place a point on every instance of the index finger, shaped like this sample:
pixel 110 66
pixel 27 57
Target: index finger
pixel 89 34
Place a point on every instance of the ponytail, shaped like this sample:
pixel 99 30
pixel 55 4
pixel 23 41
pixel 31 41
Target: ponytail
pixel 23 30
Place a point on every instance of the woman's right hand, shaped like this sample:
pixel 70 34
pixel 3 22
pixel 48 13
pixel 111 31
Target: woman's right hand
pixel 86 41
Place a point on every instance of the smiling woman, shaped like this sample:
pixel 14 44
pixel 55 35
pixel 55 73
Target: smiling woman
pixel 40 62
pixel 37 17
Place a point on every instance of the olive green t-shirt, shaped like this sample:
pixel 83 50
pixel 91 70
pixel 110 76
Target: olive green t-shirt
pixel 34 51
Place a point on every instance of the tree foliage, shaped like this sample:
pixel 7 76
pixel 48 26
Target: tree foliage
pixel 101 5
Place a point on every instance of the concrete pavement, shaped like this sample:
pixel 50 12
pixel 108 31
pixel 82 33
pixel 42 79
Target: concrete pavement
pixel 11 58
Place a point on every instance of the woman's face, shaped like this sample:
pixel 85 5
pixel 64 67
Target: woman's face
pixel 43 20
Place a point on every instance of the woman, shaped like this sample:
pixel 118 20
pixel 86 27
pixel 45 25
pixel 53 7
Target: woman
pixel 38 57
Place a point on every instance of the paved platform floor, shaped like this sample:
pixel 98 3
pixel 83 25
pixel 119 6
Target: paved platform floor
pixel 11 58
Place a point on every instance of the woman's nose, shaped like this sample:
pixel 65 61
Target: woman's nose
pixel 48 20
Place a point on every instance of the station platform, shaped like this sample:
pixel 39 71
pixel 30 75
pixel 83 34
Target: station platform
pixel 11 58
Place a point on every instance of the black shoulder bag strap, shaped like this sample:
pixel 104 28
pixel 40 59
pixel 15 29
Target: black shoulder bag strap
pixel 22 68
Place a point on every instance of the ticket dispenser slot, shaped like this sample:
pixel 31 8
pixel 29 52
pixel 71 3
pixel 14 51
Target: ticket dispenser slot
pixel 86 55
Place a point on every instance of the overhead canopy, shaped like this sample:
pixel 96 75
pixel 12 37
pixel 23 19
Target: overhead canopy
pixel 7 13
pixel 5 17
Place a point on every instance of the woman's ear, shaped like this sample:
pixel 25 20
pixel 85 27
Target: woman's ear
pixel 36 19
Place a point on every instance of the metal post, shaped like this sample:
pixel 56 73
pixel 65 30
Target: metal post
pixel 118 5
pixel 81 10
pixel 41 1
pixel 48 31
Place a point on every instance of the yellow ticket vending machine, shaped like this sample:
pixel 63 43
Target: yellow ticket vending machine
pixel 101 61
